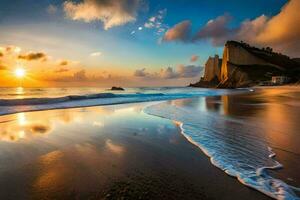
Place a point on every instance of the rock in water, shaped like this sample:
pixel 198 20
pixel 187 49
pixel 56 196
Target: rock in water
pixel 117 88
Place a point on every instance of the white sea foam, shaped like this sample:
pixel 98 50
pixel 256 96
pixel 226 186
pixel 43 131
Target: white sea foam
pixel 235 146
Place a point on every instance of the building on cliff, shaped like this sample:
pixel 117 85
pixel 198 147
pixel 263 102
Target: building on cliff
pixel 244 66
pixel 279 80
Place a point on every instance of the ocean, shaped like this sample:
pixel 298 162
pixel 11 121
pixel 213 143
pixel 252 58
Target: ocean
pixel 14 100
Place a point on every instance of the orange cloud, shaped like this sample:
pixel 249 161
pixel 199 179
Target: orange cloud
pixel 64 62
pixel 282 31
pixel 10 49
pixel 194 58
pixel 3 67
pixel 33 56
pixel 61 70
pixel 180 32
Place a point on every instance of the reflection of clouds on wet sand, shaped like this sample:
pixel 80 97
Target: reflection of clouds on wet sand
pixel 22 127
pixel 80 167
pixel 124 110
pixel 98 124
pixel 39 128
pixel 29 125
pixel 52 172
pixel 115 148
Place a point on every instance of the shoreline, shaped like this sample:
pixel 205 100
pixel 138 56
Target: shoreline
pixel 120 160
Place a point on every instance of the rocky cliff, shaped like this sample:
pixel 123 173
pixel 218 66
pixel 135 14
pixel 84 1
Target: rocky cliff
pixel 212 68
pixel 244 66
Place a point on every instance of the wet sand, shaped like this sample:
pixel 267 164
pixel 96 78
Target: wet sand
pixel 111 152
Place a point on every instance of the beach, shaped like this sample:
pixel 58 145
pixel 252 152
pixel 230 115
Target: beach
pixel 123 152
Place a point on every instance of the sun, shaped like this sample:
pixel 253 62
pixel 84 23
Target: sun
pixel 20 72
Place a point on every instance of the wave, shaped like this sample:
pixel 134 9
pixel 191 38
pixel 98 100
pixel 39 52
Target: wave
pixel 9 106
pixel 236 147
pixel 39 101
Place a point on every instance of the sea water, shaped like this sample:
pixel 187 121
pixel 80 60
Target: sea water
pixel 13 100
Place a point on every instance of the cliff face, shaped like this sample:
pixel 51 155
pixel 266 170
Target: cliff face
pixel 212 68
pixel 235 58
pixel 243 66
pixel 235 55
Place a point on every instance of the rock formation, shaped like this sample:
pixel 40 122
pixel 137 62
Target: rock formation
pixel 117 88
pixel 212 68
pixel 244 66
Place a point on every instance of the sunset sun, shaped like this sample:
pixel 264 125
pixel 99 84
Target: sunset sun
pixel 20 72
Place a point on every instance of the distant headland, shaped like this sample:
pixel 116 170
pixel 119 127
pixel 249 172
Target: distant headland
pixel 243 65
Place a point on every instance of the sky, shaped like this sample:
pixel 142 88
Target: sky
pixel 133 42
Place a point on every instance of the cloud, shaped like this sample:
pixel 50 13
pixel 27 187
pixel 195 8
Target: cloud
pixel 96 54
pixel 280 31
pixel 61 70
pixel 110 12
pixel 1 54
pixel 82 77
pixel 51 9
pixel 3 67
pixel 11 49
pixel 78 76
pixel 179 32
pixel 194 58
pixel 168 73
pixel 63 63
pixel 216 29
pixel 278 28
pixel 140 72
pixel 33 56
pixel 182 71
pixel 249 29
pixel 156 22
pixel 189 71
